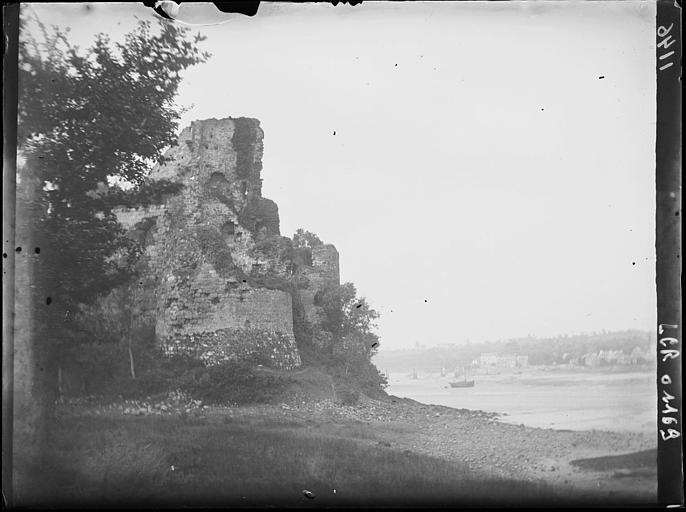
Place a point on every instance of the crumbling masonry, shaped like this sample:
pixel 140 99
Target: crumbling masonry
pixel 220 280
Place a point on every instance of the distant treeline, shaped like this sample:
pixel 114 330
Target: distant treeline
pixel 540 351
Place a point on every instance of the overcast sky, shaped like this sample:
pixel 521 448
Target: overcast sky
pixel 486 170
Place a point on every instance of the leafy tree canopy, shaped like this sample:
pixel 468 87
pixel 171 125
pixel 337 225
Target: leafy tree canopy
pixel 350 319
pixel 303 238
pixel 87 119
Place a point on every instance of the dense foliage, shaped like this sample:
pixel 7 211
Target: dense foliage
pixel 102 369
pixel 234 382
pixel 260 213
pixel 346 340
pixel 87 118
pixel 348 318
pixel 303 238
pixel 91 123
pixel 243 142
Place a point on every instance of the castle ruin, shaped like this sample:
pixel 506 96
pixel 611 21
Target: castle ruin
pixel 220 281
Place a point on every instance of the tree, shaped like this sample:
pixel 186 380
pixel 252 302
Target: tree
pixel 348 317
pixel 303 238
pixel 351 322
pixel 88 120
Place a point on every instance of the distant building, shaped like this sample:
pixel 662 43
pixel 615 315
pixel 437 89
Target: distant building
pixel 493 360
pixel 591 360
pixel 522 361
pixel 488 359
pixel 617 358
pixel 507 362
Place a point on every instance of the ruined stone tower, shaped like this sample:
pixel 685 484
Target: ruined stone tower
pixel 219 276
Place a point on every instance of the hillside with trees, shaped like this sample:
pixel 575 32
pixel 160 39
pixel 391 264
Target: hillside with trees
pixel 540 351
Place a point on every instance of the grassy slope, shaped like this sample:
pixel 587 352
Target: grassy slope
pixel 262 459
pixel 128 460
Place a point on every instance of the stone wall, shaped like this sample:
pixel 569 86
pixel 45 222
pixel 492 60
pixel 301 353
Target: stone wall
pixel 222 320
pixel 272 348
pixel 205 244
pixel 323 272
pixel 325 265
pixel 218 275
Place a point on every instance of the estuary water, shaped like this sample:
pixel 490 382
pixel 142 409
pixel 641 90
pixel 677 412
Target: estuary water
pixel 560 399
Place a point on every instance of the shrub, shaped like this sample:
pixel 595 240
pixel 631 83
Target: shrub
pixel 360 374
pixel 234 382
pixel 260 212
pixel 275 246
pixel 142 231
pixel 303 238
pixel 162 372
pixel 302 256
pixel 102 368
pixel 345 395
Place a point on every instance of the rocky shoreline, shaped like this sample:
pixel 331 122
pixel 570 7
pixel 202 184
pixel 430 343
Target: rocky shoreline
pixel 474 439
pixel 477 439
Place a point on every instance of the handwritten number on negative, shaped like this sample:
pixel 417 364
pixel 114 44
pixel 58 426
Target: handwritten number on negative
pixel 665 43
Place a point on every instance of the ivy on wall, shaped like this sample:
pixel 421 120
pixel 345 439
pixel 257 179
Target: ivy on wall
pixel 185 260
pixel 260 212
pixel 269 281
pixel 243 141
pixel 302 256
pixel 143 230
pixel 275 247
pixel 215 249
pixel 302 329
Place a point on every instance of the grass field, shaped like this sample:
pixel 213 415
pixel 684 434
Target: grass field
pixel 166 461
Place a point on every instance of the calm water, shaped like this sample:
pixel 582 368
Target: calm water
pixel 575 400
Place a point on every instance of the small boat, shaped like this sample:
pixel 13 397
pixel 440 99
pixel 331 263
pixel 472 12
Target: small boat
pixel 464 383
